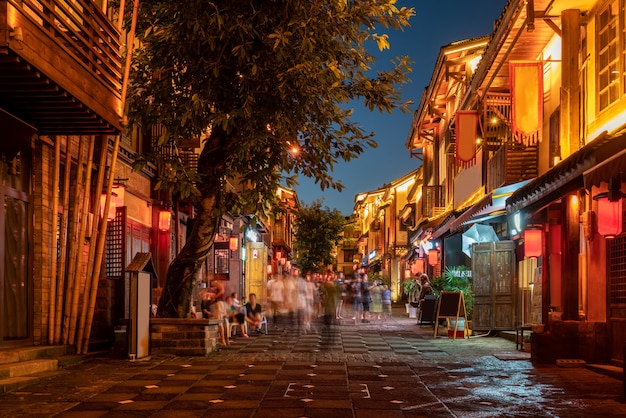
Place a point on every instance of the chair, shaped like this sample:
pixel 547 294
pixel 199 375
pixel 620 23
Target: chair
pixel 234 325
pixel 264 323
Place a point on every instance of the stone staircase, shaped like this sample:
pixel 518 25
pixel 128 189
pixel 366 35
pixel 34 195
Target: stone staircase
pixel 22 366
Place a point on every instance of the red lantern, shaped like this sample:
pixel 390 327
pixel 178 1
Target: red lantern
pixel 234 243
pixel 609 217
pixel 165 217
pixel 533 243
pixel 433 257
pixel 279 255
pixel 418 266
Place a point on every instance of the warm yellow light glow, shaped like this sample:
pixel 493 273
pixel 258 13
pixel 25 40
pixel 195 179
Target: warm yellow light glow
pixel 474 62
pixel 574 200
pixel 494 120
pixel 294 150
pixel 11 16
pixel 405 186
pixel 610 126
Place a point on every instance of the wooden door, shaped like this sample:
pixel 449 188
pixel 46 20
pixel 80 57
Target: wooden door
pixel 495 286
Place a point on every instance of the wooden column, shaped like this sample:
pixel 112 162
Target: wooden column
pixel 569 264
pixel 570 87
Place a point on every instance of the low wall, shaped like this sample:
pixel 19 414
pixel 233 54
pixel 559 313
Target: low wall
pixel 183 337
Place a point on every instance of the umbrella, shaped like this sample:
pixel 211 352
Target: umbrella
pixel 477 233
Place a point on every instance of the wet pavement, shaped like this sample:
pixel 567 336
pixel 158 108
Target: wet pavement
pixel 390 369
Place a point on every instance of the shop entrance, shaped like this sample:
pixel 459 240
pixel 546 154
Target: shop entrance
pixel 617 298
pixel 15 261
pixel 494 285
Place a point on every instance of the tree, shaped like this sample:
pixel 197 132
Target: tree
pixel 317 232
pixel 267 83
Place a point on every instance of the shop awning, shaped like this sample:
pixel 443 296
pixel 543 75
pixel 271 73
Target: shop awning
pixel 566 177
pixel 413 252
pixel 445 226
pixel 425 228
pixel 490 207
pixel 601 173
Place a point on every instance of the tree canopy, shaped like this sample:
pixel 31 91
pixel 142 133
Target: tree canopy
pixel 318 230
pixel 267 84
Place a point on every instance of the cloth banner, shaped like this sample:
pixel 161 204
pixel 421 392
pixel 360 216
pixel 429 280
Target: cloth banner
pixel 526 80
pixel 466 122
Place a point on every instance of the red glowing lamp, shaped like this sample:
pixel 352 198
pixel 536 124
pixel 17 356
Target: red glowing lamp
pixel 418 266
pixel 609 217
pixel 533 243
pixel 233 243
pixel 433 257
pixel 165 218
pixel 610 209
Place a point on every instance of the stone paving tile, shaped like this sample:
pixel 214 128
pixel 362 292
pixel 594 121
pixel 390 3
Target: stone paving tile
pixel 369 370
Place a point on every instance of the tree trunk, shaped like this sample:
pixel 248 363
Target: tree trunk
pixel 175 301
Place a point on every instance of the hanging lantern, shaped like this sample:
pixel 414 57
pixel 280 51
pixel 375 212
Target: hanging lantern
pixel 112 207
pixel 407 274
pixel 269 269
pixel 433 257
pixel 418 266
pixel 165 218
pixel 610 209
pixel 233 243
pixel 609 217
pixel 533 243
pixel 278 255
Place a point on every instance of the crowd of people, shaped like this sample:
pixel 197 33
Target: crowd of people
pixel 301 300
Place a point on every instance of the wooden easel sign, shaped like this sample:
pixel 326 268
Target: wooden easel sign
pixel 451 306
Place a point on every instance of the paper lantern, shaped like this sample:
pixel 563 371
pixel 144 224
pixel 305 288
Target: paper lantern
pixel 234 243
pixel 433 257
pixel 418 266
pixel 269 269
pixel 609 217
pixel 165 218
pixel 533 243
pixel 112 208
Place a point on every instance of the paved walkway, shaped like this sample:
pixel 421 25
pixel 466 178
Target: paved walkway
pixel 391 369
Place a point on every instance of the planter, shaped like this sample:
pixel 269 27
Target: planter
pixel 407 306
pixel 412 312
pixel 183 337
pixel 460 328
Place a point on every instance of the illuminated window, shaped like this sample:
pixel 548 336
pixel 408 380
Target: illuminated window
pixel 221 261
pixel 608 55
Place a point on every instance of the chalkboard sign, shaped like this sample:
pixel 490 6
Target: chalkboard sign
pixel 451 305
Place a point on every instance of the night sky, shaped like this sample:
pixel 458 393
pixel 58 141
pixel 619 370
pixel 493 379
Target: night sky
pixel 436 23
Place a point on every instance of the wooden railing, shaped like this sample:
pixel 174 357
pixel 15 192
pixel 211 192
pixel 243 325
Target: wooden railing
pixel 511 163
pixel 433 202
pixel 83 31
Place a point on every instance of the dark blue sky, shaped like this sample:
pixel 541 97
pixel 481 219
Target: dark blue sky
pixel 436 23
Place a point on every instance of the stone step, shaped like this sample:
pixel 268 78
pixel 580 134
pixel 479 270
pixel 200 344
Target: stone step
pixel 14 355
pixel 25 368
pixel 15 383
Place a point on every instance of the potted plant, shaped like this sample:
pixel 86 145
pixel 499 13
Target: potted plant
pixel 411 289
pixel 456 279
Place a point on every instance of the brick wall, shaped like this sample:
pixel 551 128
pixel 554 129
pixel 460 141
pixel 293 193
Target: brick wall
pixel 183 337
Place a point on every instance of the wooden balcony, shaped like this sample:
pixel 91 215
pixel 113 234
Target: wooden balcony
pixel 507 160
pixel 433 201
pixel 511 163
pixel 60 66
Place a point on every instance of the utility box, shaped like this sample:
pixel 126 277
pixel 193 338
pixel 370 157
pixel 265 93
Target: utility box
pixel 141 272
